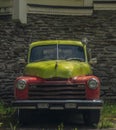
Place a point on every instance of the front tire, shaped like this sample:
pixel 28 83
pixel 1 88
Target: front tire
pixel 23 116
pixel 91 117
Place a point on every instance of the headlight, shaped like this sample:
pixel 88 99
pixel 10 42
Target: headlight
pixel 21 84
pixel 92 83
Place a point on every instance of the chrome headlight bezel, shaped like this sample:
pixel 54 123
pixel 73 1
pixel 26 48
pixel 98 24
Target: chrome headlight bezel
pixel 21 84
pixel 92 83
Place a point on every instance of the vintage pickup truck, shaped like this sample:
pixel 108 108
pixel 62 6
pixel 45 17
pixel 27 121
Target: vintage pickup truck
pixel 58 76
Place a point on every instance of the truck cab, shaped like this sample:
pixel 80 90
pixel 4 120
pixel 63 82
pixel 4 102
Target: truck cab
pixel 58 76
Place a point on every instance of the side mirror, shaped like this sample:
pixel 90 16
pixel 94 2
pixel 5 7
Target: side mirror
pixel 93 61
pixel 84 40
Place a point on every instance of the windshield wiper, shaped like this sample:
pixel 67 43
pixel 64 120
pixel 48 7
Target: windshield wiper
pixel 75 58
pixel 43 59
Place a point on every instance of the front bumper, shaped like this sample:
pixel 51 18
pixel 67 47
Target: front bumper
pixel 58 104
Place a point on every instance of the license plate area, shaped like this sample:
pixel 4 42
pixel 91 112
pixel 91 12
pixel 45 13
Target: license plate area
pixel 70 105
pixel 43 105
pixel 56 106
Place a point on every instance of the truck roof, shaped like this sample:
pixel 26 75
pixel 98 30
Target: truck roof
pixel 51 42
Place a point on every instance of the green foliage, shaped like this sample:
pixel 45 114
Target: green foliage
pixel 108 116
pixel 6 114
pixel 109 109
pixel 13 127
pixel 105 123
pixel 61 126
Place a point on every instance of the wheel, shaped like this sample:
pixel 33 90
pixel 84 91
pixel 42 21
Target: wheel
pixel 23 116
pixel 91 117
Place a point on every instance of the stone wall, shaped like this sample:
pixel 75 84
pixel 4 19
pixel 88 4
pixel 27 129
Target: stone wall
pixel 100 29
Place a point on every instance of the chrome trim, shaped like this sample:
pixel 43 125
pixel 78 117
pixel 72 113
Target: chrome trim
pixel 85 107
pixel 58 104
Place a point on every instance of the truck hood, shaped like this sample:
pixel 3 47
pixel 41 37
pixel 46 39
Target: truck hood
pixel 61 68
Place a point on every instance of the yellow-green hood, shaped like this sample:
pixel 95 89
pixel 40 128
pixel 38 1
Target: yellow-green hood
pixel 62 69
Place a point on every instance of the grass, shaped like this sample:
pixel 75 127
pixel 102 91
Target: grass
pixel 6 114
pixel 108 117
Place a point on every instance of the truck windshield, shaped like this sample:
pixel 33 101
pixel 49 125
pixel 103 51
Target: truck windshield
pixel 57 52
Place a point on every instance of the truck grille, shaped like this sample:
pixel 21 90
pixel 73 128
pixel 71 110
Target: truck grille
pixel 57 92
